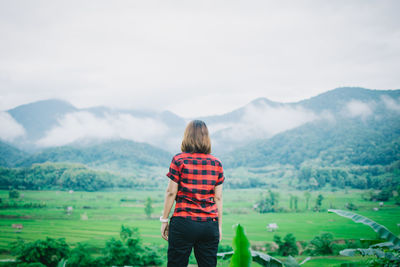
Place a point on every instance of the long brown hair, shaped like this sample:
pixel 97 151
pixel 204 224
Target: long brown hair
pixel 196 138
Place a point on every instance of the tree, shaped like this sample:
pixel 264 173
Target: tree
pixel 291 202
pixel 269 203
pixel 307 195
pixel 287 246
pixel 295 200
pixel 318 203
pixel 313 183
pixel 305 173
pixel 148 209
pixel 384 194
pixel 13 193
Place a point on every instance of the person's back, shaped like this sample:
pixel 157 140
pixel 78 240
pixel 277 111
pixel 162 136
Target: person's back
pixel 200 173
pixel 196 185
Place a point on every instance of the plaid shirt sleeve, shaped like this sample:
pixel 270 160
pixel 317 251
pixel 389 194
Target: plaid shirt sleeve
pixel 173 173
pixel 221 177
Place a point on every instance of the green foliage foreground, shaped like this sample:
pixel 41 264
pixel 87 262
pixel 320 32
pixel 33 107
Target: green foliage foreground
pixel 387 253
pixel 242 255
pixel 128 250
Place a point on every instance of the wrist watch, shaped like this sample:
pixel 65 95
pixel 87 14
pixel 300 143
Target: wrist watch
pixel 163 220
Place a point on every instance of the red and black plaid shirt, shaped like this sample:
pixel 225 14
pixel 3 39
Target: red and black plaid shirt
pixel 196 174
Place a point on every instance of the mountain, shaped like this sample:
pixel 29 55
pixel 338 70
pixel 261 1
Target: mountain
pixel 40 116
pixel 9 155
pixel 363 128
pixel 342 119
pixel 53 122
pixel 263 119
pixel 117 155
pixel 335 99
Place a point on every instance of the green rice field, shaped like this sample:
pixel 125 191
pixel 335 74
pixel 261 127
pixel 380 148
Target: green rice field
pixel 98 216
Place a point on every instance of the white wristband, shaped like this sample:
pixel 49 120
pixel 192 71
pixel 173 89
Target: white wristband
pixel 163 220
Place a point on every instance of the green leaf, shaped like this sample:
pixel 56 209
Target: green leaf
pixel 261 258
pixel 305 260
pixel 62 263
pixel 363 251
pixel 265 260
pixel 241 247
pixel 291 262
pixel 385 245
pixel 370 252
pixel 242 255
pixel 225 255
pixel 382 231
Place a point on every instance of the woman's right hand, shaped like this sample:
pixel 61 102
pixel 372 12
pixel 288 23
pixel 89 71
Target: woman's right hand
pixel 220 233
pixel 164 230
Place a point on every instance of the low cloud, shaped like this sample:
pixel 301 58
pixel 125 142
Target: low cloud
pixel 10 129
pixel 84 125
pixel 357 108
pixel 264 122
pixel 391 103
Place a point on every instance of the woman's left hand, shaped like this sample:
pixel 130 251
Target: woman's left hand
pixel 164 230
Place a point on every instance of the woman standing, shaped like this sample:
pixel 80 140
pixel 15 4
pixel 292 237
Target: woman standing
pixel 196 185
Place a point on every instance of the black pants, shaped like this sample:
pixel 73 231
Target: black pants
pixel 185 234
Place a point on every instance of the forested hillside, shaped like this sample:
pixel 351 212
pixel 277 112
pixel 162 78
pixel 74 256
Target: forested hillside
pixel 118 156
pixel 325 143
pixel 63 176
pixel 9 155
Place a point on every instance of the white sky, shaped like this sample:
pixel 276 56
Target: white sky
pixel 194 57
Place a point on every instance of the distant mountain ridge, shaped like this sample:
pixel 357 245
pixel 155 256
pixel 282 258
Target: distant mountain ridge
pixel 40 116
pixel 360 125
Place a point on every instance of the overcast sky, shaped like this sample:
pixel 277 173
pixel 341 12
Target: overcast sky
pixel 194 57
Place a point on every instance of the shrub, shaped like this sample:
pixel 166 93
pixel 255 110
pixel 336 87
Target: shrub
pixel 351 206
pixel 397 200
pixel 48 252
pixel 129 250
pixel 80 256
pixel 384 195
pixel 287 246
pixel 148 209
pixel 224 248
pixel 321 245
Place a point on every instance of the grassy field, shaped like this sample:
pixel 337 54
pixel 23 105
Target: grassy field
pixel 98 216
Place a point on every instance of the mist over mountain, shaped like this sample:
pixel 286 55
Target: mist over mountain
pixel 262 119
pixel 341 126
pixel 52 123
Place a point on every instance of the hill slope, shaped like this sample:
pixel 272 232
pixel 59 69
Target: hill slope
pixel 340 142
pixel 9 155
pixel 119 155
